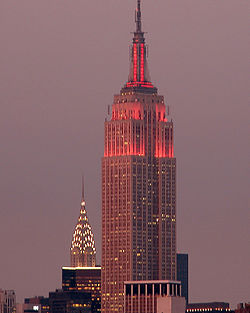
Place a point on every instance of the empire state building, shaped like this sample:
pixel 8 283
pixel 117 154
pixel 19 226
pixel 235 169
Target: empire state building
pixel 138 184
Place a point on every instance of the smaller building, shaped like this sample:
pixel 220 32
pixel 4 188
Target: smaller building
pixel 86 279
pixel 7 301
pixel 70 302
pixel 212 307
pixel 243 309
pixel 36 305
pixel 153 296
pixel 182 273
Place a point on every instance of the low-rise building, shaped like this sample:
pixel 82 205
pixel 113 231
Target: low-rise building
pixel 241 308
pixel 154 296
pixel 70 302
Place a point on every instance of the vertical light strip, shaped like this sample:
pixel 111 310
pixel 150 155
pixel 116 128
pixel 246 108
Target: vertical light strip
pixel 135 62
pixel 142 62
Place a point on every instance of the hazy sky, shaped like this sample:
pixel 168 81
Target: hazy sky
pixel 61 62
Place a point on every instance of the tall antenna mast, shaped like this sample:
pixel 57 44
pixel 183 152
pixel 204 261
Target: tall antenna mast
pixel 138 17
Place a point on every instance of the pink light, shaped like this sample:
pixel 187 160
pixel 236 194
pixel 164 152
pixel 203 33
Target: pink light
pixel 142 62
pixel 135 62
pixel 138 84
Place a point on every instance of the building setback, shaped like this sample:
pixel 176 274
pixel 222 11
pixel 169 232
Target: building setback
pixel 138 184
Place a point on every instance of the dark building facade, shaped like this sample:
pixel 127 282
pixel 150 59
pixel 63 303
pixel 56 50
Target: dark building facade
pixel 45 305
pixel 241 308
pixel 138 184
pixel 182 273
pixel 70 302
pixel 86 279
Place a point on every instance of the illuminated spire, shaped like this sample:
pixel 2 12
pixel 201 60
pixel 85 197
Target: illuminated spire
pixel 139 78
pixel 83 252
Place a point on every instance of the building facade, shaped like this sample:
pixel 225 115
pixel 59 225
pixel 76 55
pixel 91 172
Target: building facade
pixel 7 301
pixel 36 305
pixel 182 273
pixel 70 302
pixel 87 279
pixel 153 296
pixel 138 184
pixel 241 308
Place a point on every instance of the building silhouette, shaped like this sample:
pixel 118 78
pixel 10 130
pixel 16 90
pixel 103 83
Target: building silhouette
pixel 138 184
pixel 70 302
pixel 182 273
pixel 241 308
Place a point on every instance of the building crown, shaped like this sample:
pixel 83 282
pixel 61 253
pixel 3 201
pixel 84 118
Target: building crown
pixel 83 251
pixel 139 78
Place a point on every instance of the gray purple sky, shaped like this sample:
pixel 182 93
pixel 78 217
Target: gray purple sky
pixel 61 62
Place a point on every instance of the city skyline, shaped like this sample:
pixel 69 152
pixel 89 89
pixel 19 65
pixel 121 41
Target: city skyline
pixel 48 111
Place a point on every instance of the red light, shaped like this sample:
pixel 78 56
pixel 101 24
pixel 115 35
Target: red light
pixel 139 84
pixel 142 62
pixel 135 62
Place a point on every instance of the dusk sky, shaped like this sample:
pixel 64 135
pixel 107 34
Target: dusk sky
pixel 61 62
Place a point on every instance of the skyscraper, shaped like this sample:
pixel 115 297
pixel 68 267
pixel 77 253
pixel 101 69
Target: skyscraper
pixel 83 275
pixel 138 184
pixel 83 252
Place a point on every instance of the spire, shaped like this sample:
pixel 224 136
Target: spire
pixel 83 199
pixel 138 17
pixel 139 79
pixel 83 251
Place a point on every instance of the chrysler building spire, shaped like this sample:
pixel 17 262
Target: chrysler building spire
pixel 83 252
pixel 83 198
